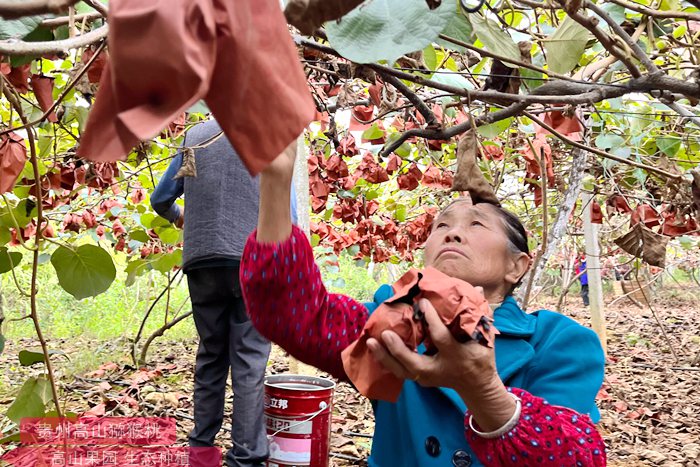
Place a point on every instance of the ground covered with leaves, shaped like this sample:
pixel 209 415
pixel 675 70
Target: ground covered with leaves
pixel 650 402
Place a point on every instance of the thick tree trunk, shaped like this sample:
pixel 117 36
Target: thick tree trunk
pixel 558 228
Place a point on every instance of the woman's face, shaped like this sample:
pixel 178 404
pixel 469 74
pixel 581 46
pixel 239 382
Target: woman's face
pixel 469 242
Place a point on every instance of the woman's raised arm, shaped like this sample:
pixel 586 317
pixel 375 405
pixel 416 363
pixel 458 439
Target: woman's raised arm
pixel 274 218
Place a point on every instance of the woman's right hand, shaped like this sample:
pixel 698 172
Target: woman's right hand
pixel 274 217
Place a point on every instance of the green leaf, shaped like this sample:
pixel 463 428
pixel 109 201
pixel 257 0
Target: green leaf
pixel 135 269
pixel 494 38
pixel 430 57
pixel 458 27
pixel 565 47
pixel 30 357
pixel 373 132
pixel 668 146
pixel 453 80
pixel 84 272
pixel 147 219
pixel 5 235
pixel 31 400
pixel 492 130
pixel 18 28
pixel 400 213
pixel 140 236
pixel 2 342
pixel 388 29
pixel 169 235
pixel 166 262
pixel 609 141
pixel 315 239
pixel 9 259
pixel 616 12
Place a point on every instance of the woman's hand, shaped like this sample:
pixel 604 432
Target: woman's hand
pixel 468 368
pixel 274 216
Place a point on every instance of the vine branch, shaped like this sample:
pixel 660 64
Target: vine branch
pixel 13 47
pixel 11 9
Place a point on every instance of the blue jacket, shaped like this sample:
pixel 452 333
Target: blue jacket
pixel 583 278
pixel 544 353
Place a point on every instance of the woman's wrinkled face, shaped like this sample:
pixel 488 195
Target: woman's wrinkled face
pixel 469 242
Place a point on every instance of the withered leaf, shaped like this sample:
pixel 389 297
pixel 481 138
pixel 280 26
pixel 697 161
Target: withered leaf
pixel 13 155
pixel 43 91
pixel 646 244
pixel 469 177
pixel 188 168
pixel 309 15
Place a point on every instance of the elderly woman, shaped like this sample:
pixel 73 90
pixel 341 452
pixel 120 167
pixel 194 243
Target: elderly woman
pixel 529 402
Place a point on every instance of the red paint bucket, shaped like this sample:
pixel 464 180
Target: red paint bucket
pixel 298 420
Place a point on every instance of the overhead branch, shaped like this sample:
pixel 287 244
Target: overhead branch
pixel 52 23
pixel 503 58
pixel 590 69
pixel 617 29
pixel 553 92
pixel 606 41
pixel 420 106
pixel 12 9
pixel 643 57
pixel 53 47
pixel 609 43
pixel 447 133
pixel 604 154
pixel 656 13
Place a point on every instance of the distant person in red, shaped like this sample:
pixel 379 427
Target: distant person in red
pixel 583 278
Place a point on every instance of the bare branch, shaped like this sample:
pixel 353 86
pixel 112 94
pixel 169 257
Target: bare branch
pixel 63 20
pixel 427 133
pixel 425 111
pixel 617 29
pixel 502 58
pixel 656 13
pixel 592 25
pixel 10 47
pixel 11 9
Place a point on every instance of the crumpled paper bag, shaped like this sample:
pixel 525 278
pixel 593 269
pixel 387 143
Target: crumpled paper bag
pixel 461 307
pixel 166 55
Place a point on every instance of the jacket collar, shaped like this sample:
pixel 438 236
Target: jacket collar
pixel 512 321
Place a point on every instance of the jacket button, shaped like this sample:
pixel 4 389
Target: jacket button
pixel 461 459
pixel 432 446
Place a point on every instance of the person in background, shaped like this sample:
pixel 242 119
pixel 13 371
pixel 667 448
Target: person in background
pixel 583 279
pixel 221 209
pixel 528 402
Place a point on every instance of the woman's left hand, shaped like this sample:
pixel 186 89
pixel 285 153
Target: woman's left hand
pixel 469 368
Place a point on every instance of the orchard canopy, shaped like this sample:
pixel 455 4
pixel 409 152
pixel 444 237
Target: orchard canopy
pixel 578 95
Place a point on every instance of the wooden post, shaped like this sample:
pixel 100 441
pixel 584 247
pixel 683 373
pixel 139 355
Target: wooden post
pixel 595 285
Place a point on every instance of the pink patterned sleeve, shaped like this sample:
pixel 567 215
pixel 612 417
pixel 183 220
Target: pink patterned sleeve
pixel 288 303
pixel 546 435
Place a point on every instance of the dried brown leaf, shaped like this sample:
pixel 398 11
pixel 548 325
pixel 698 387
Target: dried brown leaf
pixel 189 168
pixel 469 177
pixel 644 243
